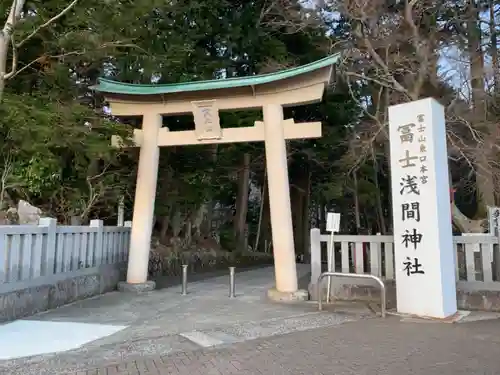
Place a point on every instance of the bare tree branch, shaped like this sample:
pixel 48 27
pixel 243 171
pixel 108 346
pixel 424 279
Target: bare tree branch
pixel 48 23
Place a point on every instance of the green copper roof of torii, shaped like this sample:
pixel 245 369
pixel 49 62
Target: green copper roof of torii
pixel 115 87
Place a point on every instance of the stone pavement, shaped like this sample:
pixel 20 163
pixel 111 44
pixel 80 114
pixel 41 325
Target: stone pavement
pixel 163 322
pixel 371 347
pixel 206 333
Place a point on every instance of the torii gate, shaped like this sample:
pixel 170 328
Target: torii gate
pixel 204 99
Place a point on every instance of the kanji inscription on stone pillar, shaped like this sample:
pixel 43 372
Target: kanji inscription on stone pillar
pixel 206 119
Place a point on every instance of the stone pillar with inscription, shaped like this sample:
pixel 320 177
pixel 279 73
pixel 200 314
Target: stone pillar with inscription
pixel 423 242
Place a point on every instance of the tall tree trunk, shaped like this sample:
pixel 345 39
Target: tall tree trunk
pixel 4 50
pixel 261 211
pixel 297 198
pixel 300 201
pixel 381 102
pixel 494 48
pixel 380 211
pixel 120 220
pixel 242 201
pixel 6 40
pixel 357 214
pixel 317 208
pixel 322 215
pixel 165 224
pixel 484 152
pixel 306 222
pixel 496 72
pixel 206 226
pixel 266 237
pixel 476 64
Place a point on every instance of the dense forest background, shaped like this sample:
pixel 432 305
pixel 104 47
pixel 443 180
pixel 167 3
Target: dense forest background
pixel 55 133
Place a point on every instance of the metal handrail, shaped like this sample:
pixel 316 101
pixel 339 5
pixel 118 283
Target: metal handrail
pixel 354 276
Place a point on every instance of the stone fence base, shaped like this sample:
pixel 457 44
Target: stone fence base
pixel 21 299
pixel 470 295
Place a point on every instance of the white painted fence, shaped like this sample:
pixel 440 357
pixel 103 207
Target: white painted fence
pixel 477 257
pixel 28 252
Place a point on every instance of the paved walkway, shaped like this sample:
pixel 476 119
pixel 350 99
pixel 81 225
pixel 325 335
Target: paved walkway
pixel 159 323
pixel 368 347
pixel 207 333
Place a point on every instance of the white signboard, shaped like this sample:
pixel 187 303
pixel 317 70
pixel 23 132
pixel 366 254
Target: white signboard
pixel 332 222
pixel 423 243
pixel 494 220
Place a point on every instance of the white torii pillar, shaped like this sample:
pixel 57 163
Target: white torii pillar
pixel 280 207
pixel 144 202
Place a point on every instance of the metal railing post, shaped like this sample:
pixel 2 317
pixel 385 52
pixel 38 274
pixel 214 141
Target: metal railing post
pixel 353 276
pixel 184 279
pixel 231 283
pixel 331 266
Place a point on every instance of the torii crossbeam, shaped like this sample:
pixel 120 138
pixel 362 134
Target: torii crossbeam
pixel 255 133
